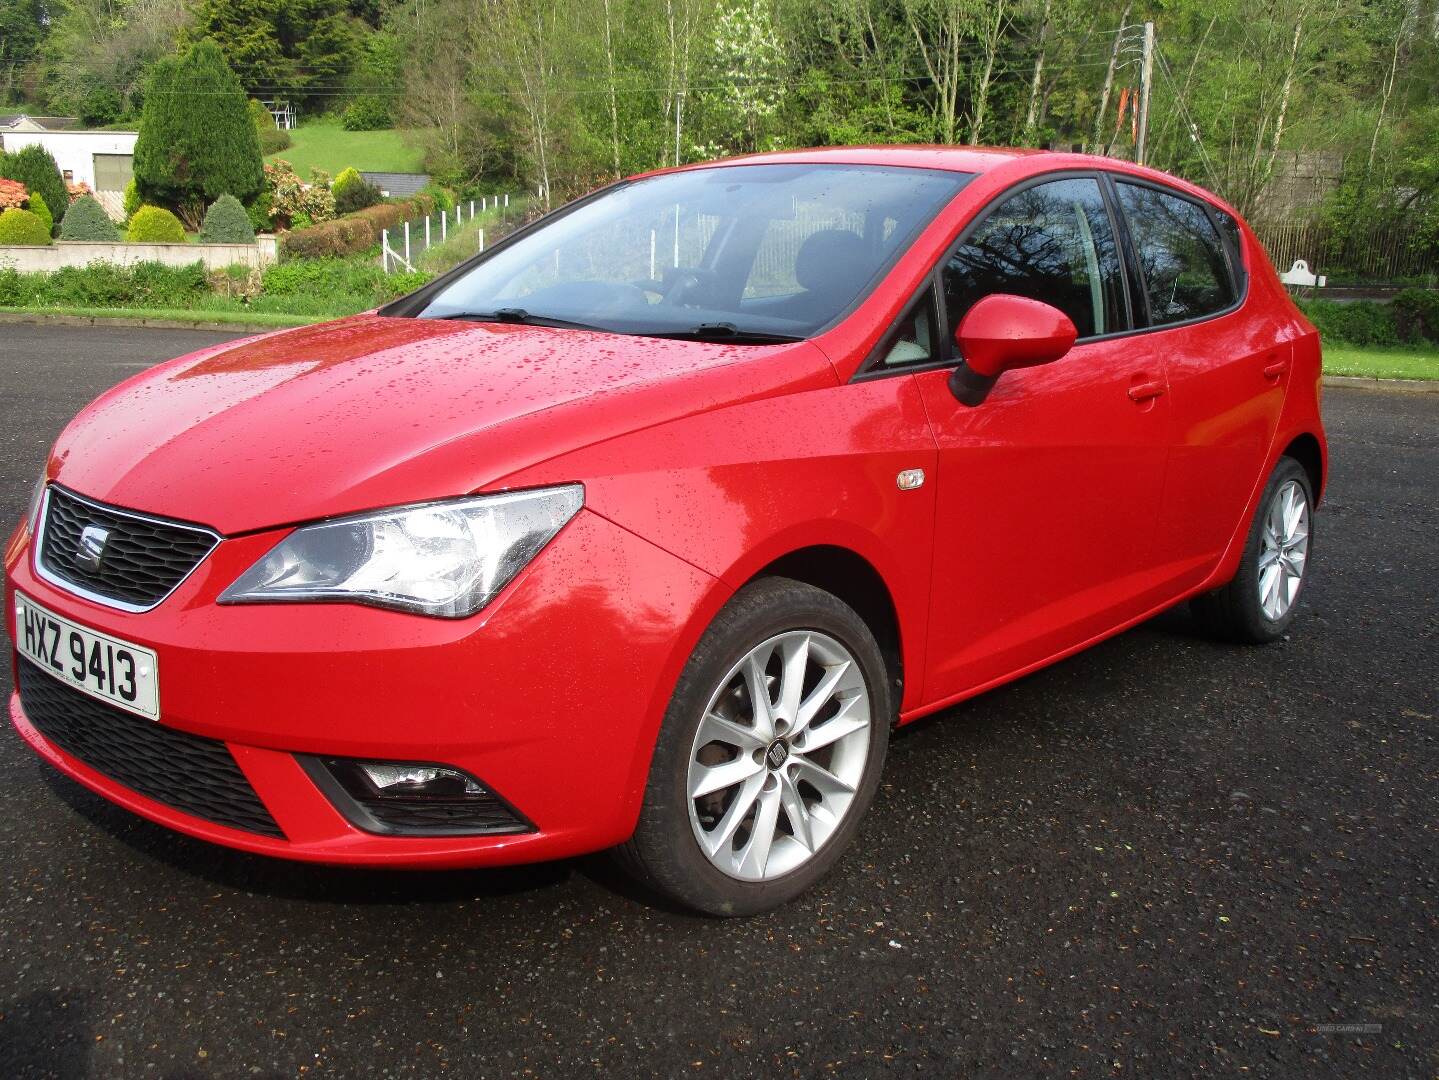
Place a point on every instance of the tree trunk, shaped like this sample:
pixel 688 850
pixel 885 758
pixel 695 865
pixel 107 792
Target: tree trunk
pixel 981 96
pixel 614 106
pixel 1031 115
pixel 1098 138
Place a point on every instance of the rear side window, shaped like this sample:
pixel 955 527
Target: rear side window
pixel 1181 258
pixel 1051 242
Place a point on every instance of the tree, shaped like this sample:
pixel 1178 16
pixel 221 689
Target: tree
pixel 34 167
pixel 745 67
pixel 297 49
pixel 197 140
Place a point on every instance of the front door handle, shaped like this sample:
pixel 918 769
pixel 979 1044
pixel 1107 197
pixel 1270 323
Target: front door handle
pixel 1146 391
pixel 1276 369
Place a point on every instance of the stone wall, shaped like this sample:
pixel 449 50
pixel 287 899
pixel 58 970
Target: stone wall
pixel 76 253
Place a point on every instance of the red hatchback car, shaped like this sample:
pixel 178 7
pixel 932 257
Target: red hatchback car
pixel 643 529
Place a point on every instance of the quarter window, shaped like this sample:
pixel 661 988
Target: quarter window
pixel 1051 242
pixel 1180 255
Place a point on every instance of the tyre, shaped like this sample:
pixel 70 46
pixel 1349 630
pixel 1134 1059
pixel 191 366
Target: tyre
pixel 769 754
pixel 1259 604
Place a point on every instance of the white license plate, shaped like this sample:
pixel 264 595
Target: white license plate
pixel 109 668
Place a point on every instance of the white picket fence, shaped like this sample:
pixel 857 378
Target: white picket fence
pixel 412 238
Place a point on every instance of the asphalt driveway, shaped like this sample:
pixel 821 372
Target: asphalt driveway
pixel 1163 857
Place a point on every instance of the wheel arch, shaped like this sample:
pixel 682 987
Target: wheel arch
pixel 1305 449
pixel 844 573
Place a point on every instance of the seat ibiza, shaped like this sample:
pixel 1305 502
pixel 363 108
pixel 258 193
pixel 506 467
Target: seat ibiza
pixel 645 528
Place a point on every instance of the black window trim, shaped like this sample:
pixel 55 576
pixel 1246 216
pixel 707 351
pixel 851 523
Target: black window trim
pixel 873 366
pixel 1136 297
pixel 1238 282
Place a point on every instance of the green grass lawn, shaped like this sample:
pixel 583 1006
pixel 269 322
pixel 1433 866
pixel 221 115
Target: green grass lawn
pixel 1381 362
pixel 332 148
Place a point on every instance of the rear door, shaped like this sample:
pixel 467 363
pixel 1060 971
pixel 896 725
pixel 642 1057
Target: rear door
pixel 1227 364
pixel 1049 489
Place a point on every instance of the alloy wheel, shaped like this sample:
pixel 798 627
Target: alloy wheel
pixel 1284 550
pixel 779 755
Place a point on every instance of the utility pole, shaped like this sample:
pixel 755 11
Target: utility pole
pixel 1145 78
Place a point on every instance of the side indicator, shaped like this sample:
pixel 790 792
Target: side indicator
pixel 910 479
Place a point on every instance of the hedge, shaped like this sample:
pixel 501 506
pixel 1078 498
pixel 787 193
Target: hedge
pixel 355 232
pixel 1412 317
pixel 103 285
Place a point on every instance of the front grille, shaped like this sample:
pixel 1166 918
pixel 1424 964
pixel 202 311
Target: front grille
pixel 190 773
pixel 144 558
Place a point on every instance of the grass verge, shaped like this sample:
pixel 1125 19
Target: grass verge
pixel 184 315
pixel 332 148
pixel 1380 362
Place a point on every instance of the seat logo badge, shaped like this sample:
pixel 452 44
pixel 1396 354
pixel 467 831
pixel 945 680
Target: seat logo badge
pixel 777 754
pixel 910 479
pixel 93 539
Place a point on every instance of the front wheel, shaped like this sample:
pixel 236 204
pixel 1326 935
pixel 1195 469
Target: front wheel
pixel 1259 604
pixel 769 754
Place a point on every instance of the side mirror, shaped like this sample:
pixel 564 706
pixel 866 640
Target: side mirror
pixel 1002 332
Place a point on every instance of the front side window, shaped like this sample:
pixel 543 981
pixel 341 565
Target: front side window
pixel 777 250
pixel 1186 275
pixel 1051 242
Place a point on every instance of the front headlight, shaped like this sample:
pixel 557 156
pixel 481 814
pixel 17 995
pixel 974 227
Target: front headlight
pixel 446 558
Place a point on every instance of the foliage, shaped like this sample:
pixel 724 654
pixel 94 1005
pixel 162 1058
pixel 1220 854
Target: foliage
pixel 105 285
pixel 88 221
pixel 13 194
pixel 369 112
pixel 154 225
pixel 227 223
pixel 21 227
pixel 1416 315
pixel 356 232
pixel 99 52
pixel 307 47
pixel 133 201
pixel 38 207
pixel 1360 323
pixel 291 199
pixel 353 192
pixel 34 167
pixel 197 139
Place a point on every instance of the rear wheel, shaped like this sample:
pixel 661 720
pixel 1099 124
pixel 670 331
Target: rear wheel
pixel 769 754
pixel 1259 604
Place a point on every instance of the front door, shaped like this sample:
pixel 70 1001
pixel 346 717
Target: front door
pixel 1048 490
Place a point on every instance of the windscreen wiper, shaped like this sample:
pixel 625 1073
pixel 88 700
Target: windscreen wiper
pixel 726 332
pixel 519 315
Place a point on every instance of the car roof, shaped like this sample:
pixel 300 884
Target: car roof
pixel 1022 162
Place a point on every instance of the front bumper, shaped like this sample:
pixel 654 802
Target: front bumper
pixel 552 695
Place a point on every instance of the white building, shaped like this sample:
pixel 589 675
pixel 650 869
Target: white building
pixel 102 159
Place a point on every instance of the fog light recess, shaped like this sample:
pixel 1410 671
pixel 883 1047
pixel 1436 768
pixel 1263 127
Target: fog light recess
pixel 412 798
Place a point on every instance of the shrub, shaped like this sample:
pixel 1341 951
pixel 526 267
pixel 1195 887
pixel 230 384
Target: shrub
pixel 40 210
pixel 105 285
pixel 87 220
pixel 197 139
pixel 290 197
pixel 155 225
pixel 356 196
pixel 36 169
pixel 1416 315
pixel 13 194
pixel 369 112
pixel 227 223
pixel 132 200
pixel 275 141
pixel 22 227
pixel 443 196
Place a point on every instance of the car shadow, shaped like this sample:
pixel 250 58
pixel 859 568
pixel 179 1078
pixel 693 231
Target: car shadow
pixel 985 719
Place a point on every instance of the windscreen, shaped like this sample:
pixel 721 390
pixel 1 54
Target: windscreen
pixel 760 250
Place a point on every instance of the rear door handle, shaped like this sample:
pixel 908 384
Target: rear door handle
pixel 1276 369
pixel 1146 391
